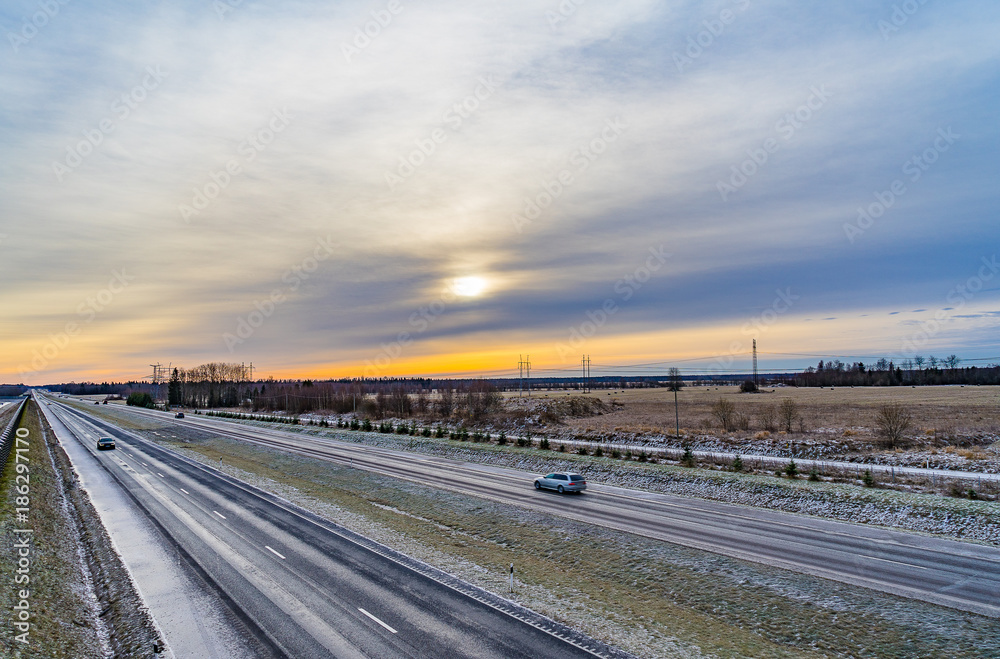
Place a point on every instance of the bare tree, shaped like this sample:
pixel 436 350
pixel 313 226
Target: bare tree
pixel 725 413
pixel 767 415
pixel 446 404
pixel 788 412
pixel 676 383
pixel 892 421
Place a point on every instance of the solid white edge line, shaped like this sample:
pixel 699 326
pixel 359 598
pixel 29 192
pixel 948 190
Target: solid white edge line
pixel 377 620
pixel 219 514
pixel 274 552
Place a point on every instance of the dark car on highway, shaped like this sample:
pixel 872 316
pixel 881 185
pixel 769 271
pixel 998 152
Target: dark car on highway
pixel 563 482
pixel 105 442
pixel 179 415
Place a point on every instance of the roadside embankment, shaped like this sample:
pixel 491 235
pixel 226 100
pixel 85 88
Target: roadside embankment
pixel 68 587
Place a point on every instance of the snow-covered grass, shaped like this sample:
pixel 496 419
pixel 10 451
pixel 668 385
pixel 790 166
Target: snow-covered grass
pixel 954 518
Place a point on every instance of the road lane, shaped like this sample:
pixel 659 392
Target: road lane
pixel 191 617
pixel 308 602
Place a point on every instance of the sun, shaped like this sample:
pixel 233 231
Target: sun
pixel 468 286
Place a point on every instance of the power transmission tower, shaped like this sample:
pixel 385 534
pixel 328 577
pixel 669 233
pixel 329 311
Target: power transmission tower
pixel 157 377
pixel 586 374
pixel 524 372
pixel 755 383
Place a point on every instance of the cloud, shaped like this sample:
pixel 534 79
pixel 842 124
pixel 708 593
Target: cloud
pixel 482 111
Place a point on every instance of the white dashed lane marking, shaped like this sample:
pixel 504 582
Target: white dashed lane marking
pixel 377 620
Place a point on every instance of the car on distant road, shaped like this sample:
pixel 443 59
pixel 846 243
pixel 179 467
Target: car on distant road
pixel 561 482
pixel 179 415
pixel 105 442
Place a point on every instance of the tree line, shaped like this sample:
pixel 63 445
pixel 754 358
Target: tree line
pixel 914 371
pixel 226 385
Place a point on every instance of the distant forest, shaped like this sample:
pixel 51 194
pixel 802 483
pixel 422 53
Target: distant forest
pixel 227 385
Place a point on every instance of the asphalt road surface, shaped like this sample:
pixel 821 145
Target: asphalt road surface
pixel 305 587
pixel 951 573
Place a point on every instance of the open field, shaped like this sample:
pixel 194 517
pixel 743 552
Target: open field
pixel 953 410
pixel 952 426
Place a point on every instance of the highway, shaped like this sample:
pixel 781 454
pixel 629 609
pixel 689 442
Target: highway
pixel 956 574
pixel 302 586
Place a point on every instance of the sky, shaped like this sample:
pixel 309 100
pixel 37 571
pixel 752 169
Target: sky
pixel 394 188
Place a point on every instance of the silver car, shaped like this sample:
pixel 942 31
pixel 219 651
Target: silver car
pixel 563 482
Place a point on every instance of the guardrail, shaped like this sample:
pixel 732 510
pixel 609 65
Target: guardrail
pixel 7 438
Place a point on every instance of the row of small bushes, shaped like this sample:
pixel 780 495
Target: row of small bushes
pixel 790 470
pixel 462 434
pixel 291 420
